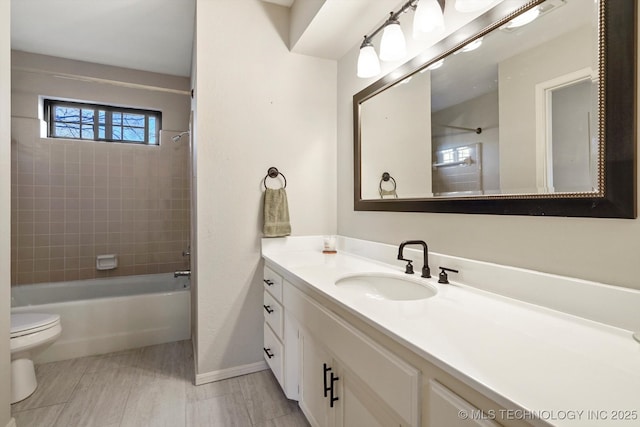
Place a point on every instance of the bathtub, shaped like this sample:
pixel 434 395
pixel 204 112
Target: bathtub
pixel 104 315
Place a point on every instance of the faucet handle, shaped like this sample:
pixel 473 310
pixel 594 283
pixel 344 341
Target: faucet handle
pixel 442 277
pixel 409 268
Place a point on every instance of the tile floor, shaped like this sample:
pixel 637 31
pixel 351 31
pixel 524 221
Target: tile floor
pixel 151 386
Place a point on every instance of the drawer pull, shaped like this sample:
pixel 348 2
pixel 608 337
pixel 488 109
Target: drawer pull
pixel 268 282
pixel 268 308
pixel 268 352
pixel 333 398
pixel 326 369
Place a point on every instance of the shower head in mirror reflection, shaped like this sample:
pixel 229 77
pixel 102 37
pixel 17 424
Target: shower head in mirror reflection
pixel 177 137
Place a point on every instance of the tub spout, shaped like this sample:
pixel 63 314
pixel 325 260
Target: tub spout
pixel 183 273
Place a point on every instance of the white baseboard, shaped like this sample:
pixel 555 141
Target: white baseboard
pixel 12 423
pixel 236 371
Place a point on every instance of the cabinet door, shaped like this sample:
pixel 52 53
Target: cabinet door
pixel 358 408
pixel 314 359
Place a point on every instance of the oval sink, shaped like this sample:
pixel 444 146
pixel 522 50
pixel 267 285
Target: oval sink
pixel 382 286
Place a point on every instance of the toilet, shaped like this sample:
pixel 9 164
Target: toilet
pixel 30 334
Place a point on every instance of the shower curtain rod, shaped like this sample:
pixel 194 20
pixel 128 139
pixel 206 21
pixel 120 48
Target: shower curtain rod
pixel 476 130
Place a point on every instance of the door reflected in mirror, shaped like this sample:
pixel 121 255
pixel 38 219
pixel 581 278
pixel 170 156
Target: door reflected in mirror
pixel 514 112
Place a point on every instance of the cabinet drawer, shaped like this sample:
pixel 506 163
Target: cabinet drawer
pixel 388 376
pixel 273 353
pixel 273 314
pixel 273 283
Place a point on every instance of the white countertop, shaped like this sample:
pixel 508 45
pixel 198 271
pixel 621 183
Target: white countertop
pixel 568 370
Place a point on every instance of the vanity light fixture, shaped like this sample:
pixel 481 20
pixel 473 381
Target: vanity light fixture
pixel 521 20
pixel 429 18
pixel 368 63
pixel 466 6
pixel 392 45
pixel 533 14
pixel 434 66
pixel 472 46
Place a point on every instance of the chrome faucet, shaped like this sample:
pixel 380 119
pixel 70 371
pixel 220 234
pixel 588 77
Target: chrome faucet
pixel 426 271
pixel 183 273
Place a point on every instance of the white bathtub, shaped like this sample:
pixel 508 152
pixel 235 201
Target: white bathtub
pixel 105 315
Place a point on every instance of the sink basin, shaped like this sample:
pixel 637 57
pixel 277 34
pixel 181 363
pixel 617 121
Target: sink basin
pixel 382 286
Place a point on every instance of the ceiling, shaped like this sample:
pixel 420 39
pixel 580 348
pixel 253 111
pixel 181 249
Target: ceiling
pixel 149 35
pixel 157 35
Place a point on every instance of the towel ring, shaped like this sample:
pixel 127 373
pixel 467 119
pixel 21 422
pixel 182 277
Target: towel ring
pixel 386 177
pixel 273 173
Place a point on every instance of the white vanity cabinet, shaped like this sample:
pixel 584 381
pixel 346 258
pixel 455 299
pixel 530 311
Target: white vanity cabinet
pixel 333 396
pixel 280 336
pixel 449 409
pixel 346 379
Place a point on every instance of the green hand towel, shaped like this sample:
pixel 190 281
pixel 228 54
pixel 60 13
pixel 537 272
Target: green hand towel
pixel 276 213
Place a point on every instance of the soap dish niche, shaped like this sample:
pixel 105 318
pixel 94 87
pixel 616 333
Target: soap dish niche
pixel 106 262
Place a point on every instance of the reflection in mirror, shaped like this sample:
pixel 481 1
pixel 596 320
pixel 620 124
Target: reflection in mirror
pixel 514 112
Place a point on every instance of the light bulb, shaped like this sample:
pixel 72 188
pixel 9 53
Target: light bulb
pixel 428 19
pixel 434 66
pixel 368 64
pixel 392 46
pixel 466 6
pixel 524 19
pixel 473 45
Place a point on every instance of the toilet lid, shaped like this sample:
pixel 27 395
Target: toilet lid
pixel 22 323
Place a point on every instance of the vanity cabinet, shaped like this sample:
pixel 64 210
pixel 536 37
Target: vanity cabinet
pixel 449 409
pixel 280 344
pixel 345 373
pixel 346 379
pixel 333 396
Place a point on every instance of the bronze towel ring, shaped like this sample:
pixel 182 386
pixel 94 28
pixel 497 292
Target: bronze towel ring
pixel 273 173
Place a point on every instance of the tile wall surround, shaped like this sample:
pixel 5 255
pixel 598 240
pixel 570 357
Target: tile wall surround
pixel 74 200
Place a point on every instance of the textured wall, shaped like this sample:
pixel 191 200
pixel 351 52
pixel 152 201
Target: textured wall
pixel 74 200
pixel 258 105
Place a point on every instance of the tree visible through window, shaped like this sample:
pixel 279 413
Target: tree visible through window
pixel 75 120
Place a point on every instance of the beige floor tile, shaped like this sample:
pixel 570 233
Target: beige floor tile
pixel 295 419
pixel 214 389
pixel 56 383
pixel 149 387
pixel 39 417
pixel 264 397
pixel 222 411
pixel 112 361
pixel 156 402
pixel 166 360
pixel 99 399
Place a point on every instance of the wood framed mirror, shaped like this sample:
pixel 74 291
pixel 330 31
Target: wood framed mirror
pixel 539 120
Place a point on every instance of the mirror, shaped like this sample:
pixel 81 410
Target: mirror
pixel 508 120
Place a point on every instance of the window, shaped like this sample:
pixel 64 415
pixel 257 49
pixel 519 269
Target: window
pixel 448 156
pixel 76 120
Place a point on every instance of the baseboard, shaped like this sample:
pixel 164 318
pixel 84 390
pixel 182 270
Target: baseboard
pixel 12 423
pixel 195 357
pixel 236 371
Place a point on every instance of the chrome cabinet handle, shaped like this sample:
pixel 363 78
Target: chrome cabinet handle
pixel 268 352
pixel 268 308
